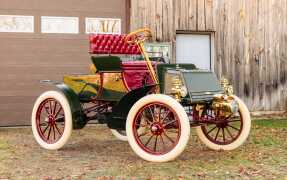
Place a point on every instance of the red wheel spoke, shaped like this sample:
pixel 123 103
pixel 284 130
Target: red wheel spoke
pixel 50 107
pixel 168 137
pixel 143 134
pixel 46 109
pixel 54 132
pixel 165 116
pixel 45 129
pixel 217 133
pixel 58 130
pixel 49 132
pixel 223 134
pixel 210 116
pixel 229 132
pixel 227 117
pixel 159 115
pixel 211 130
pixel 148 140
pixel 169 122
pixel 55 105
pixel 153 119
pixel 59 118
pixel 155 112
pixel 162 142
pixel 147 120
pixel 233 127
pixel 56 115
pixel 155 143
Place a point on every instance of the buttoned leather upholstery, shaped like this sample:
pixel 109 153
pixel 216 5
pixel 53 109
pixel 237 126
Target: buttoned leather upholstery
pixel 111 44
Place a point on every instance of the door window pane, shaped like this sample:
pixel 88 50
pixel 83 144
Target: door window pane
pixel 194 49
pixel 53 24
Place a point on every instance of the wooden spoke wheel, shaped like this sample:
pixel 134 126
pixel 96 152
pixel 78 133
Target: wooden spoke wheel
pixel 51 120
pixel 157 128
pixel 161 128
pixel 226 133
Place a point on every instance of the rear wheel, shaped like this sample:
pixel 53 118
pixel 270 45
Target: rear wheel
pixel 52 120
pixel 157 128
pixel 228 133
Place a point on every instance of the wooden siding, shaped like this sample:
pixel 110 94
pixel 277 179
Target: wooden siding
pixel 250 41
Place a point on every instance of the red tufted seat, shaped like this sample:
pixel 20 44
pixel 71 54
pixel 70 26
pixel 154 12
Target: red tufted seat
pixel 111 44
pixel 135 73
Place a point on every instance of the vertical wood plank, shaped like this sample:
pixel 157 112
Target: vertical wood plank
pixel 158 20
pixel 209 26
pixel 200 15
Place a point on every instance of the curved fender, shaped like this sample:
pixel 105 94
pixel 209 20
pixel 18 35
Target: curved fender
pixel 78 117
pixel 117 120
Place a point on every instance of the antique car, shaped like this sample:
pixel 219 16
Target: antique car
pixel 151 104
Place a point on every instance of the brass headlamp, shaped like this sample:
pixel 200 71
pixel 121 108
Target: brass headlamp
pixel 178 88
pixel 224 104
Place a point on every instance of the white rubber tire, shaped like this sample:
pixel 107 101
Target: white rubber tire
pixel 242 137
pixel 60 97
pixel 184 123
pixel 118 135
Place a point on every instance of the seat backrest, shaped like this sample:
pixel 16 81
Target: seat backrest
pixel 107 63
pixel 112 44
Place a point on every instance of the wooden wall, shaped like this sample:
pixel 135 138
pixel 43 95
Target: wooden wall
pixel 250 41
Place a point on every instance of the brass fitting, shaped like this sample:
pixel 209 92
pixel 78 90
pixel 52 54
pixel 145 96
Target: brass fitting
pixel 226 87
pixel 176 88
pixel 224 105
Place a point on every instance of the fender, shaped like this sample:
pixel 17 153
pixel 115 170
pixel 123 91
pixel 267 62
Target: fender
pixel 78 117
pixel 117 119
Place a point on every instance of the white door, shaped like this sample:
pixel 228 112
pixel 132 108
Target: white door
pixel 194 49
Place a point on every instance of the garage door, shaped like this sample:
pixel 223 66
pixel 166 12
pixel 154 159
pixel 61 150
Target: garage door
pixel 42 39
pixel 195 49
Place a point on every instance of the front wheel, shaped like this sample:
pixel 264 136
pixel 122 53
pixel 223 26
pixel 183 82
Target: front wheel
pixel 228 134
pixel 52 120
pixel 157 128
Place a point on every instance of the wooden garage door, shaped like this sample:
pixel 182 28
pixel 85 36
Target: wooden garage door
pixel 27 58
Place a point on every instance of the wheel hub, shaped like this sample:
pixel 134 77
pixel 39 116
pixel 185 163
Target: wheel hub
pixel 156 129
pixel 51 119
pixel 222 124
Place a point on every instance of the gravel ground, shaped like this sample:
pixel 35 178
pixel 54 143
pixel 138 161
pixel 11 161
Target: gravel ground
pixel 94 153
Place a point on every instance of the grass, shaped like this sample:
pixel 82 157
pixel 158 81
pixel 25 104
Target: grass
pixel 270 123
pixel 94 153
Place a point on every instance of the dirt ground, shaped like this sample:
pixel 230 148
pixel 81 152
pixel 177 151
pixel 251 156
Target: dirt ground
pixel 94 153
